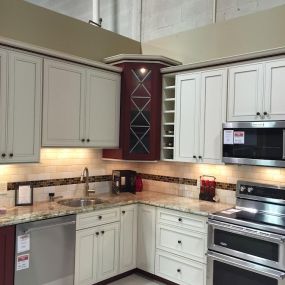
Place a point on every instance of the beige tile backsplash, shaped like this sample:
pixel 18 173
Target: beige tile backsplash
pixel 65 163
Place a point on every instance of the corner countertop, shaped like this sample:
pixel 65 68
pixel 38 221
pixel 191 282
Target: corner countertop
pixel 46 210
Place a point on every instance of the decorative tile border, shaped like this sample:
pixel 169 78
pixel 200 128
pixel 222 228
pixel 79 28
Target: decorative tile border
pixel 102 178
pixel 187 181
pixel 58 182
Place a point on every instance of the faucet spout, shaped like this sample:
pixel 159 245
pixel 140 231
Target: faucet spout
pixel 85 174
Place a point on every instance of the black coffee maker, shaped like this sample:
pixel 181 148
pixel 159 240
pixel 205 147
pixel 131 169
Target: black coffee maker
pixel 124 181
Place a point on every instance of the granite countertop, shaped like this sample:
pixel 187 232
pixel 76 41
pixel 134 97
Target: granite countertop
pixel 45 210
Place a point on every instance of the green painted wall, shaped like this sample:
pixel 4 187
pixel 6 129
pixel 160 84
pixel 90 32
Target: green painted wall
pixel 25 22
pixel 243 35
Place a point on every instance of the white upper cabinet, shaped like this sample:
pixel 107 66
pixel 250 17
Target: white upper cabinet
pixel 186 117
pixel 63 104
pixel 199 114
pixel 81 106
pixel 245 97
pixel 20 100
pixel 212 115
pixel 102 109
pixel 274 98
pixel 3 102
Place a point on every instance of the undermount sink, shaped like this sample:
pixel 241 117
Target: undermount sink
pixel 80 202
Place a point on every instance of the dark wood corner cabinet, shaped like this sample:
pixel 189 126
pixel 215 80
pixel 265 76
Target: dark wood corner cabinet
pixel 140 121
pixel 7 252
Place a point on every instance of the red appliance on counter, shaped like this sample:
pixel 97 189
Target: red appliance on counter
pixel 207 188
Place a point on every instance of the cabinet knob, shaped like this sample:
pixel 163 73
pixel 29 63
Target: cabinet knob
pixel 97 234
pixel 265 113
pixel 178 270
pixel 3 155
pixel 200 157
pixel 123 212
pixel 180 242
pixel 100 217
pixel 83 140
pixel 258 114
pixel 194 156
pixel 180 219
pixel 102 232
pixel 11 154
pixel 88 140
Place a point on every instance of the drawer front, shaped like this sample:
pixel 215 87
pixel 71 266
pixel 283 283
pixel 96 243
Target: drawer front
pixel 97 218
pixel 188 244
pixel 179 270
pixel 183 220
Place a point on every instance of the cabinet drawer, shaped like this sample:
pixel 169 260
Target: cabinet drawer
pixel 182 220
pixel 186 243
pixel 97 218
pixel 179 270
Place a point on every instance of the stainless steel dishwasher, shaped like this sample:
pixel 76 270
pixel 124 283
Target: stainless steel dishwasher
pixel 45 252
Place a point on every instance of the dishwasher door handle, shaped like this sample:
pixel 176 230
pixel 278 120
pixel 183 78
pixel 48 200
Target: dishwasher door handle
pixel 49 227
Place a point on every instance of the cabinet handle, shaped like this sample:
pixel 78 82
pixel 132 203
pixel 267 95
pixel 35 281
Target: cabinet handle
pixel 194 156
pixel 180 242
pixel 100 217
pixel 200 157
pixel 88 140
pixel 97 234
pixel 102 232
pixel 83 140
pixel 123 212
pixel 180 219
pixel 3 155
pixel 265 113
pixel 11 154
pixel 258 114
pixel 178 270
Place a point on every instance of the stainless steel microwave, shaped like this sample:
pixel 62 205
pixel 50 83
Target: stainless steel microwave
pixel 254 143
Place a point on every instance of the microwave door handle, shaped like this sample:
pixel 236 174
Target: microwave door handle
pixel 246 232
pixel 259 269
pixel 283 154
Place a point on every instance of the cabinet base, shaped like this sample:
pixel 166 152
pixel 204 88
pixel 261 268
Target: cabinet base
pixel 136 271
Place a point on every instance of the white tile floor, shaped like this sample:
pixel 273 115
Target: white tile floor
pixel 135 280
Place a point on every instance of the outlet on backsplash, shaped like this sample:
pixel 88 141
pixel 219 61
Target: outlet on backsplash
pixel 3 188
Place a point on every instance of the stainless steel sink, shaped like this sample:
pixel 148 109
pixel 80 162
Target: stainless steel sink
pixel 80 202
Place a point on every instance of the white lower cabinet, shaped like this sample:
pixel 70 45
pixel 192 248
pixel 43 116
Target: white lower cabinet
pixel 108 251
pixel 146 238
pixel 97 253
pixel 166 243
pixel 179 270
pixel 128 238
pixel 181 245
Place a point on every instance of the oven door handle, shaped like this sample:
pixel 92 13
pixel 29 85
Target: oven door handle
pixel 259 269
pixel 283 153
pixel 246 232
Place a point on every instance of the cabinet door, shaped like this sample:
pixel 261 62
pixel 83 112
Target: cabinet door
pixel 146 238
pixel 63 104
pixel 108 252
pixel 128 238
pixel 102 109
pixel 3 104
pixel 245 92
pixel 212 115
pixel 274 100
pixel 86 257
pixel 186 117
pixel 7 251
pixel 24 108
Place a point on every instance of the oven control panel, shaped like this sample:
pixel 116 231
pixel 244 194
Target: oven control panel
pixel 261 191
